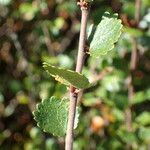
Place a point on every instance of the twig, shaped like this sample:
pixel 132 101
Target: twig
pixel 67 40
pixel 3 30
pixel 134 55
pixel 101 75
pixel 138 4
pixel 133 66
pixel 79 66
pixel 48 41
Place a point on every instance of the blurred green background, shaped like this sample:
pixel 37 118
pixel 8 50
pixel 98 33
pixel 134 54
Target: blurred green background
pixel 33 31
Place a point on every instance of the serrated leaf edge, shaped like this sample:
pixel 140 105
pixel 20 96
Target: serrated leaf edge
pixel 37 109
pixel 45 63
pixel 121 29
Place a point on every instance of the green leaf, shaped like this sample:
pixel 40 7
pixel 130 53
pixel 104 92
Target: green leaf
pixel 144 134
pixel 112 83
pixel 104 36
pixel 127 137
pixel 90 100
pixel 67 77
pixel 51 115
pixel 118 114
pixel 5 2
pixel 28 11
pixel 51 144
pixel 133 32
pixel 141 96
pixel 143 118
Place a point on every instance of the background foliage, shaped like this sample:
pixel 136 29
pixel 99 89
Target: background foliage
pixel 33 31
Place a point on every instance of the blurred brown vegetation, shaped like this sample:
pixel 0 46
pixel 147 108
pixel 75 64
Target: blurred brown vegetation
pixel 33 31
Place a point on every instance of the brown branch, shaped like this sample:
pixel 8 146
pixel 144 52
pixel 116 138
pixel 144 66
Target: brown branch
pixel 137 15
pixel 133 66
pixel 48 41
pixel 79 66
pixel 67 40
pixel 100 76
pixel 134 55
pixel 82 40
